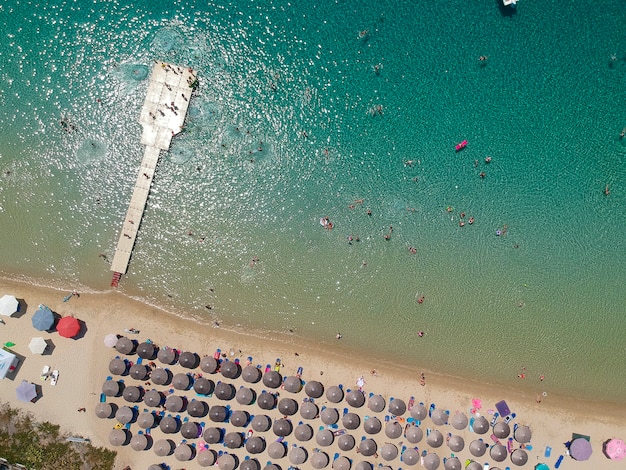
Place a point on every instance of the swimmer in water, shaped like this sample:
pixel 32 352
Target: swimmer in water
pixel 471 220
pixel 606 190
pixel 420 300
pixel 487 159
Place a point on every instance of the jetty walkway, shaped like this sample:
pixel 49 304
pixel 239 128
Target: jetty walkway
pixel 162 117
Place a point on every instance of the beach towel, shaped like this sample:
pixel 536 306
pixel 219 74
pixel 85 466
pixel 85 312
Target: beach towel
pixel 503 408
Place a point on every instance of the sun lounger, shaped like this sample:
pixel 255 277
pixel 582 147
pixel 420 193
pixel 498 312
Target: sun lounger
pixel 431 409
pixel 559 461
pixel 495 439
pixel 45 372
pixel 494 419
pixel 54 377
pixel 547 452
pixel 508 418
pixel 103 398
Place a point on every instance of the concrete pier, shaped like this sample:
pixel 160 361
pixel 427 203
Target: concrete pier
pixel 162 117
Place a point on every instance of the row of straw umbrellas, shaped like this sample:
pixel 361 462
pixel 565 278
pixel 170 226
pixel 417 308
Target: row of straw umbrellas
pixel 268 434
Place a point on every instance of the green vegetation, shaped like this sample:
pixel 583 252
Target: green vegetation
pixel 43 446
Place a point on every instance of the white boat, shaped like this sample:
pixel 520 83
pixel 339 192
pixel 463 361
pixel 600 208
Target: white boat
pixel 506 3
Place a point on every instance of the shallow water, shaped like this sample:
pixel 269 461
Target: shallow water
pixel 336 114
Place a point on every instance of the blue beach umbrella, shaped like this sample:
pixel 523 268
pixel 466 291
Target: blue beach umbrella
pixel 43 319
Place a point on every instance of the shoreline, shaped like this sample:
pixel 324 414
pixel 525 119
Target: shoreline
pixel 338 349
pixel 83 367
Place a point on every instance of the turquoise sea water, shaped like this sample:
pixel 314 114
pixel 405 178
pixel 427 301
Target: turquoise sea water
pixel 339 96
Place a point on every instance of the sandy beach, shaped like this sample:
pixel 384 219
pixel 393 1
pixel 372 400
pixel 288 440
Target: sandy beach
pixel 83 367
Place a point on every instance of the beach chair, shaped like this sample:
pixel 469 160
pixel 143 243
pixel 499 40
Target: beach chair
pixel 431 409
pixel 140 360
pixel 103 398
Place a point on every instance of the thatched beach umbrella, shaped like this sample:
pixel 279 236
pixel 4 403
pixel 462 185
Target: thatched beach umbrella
pixel 397 407
pixel 439 417
pixel 342 463
pixel 245 396
pixel 233 440
pixel 292 384
pixel 132 394
pixel 376 403
pixel 250 464
pixel 435 439
pixel 163 447
pixel 481 425
pixel 388 452
pixel 519 457
pixel 431 461
pixel 419 412
pixel 224 391
pixel 414 434
pixel 319 460
pixel 188 360
pixel 125 345
pixel 197 408
pixel 125 414
pixel 261 423
pixel 478 448
pixel 459 421
pixel 355 398
pixel 276 450
pixel 410 457
pixel 209 365
pixel 239 418
pixel 218 413
pixel 473 465
pixel 334 394
pixel 372 425
pixel 153 398
pixel 230 369
pixel 522 434
pixel 393 430
pixel 145 420
pixel 183 452
pixel 346 442
pixel 212 435
pixel 169 425
pixel 365 465
pixel 329 415
pixel 181 381
pixel 303 432
pixel 118 437
pixel 203 386
pixel 206 458
pixel 287 406
pixel 139 442
pixel 298 455
pixel 138 372
pixel 160 376
pixel 324 437
pixel 190 430
pixel 309 410
pixel 117 366
pixel 368 447
pixel 272 379
pixel 501 430
pixel 146 350
pixel 282 427
pixel 266 401
pixel 227 462
pixel 111 388
pixel 314 389
pixel 174 403
pixel 452 463
pixel 498 453
pixel 251 374
pixel 351 421
pixel 255 445
pixel 456 443
pixel 104 410
pixel 167 355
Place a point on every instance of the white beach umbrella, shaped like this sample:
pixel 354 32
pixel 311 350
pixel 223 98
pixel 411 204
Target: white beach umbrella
pixel 110 340
pixel 37 345
pixel 8 305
